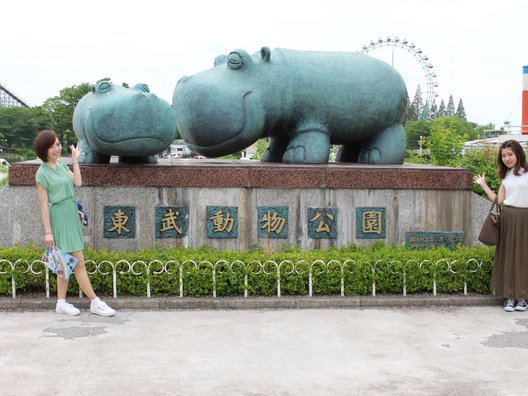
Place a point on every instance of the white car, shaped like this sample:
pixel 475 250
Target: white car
pixel 4 162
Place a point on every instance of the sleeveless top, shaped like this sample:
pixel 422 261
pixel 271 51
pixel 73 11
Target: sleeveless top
pixel 516 189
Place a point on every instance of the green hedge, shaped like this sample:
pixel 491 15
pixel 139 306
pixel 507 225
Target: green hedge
pixel 390 263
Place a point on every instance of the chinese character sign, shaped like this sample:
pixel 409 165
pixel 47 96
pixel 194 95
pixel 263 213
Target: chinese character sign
pixel 371 223
pixel 171 222
pixel 322 223
pixel 119 222
pixel 272 222
pixel 221 222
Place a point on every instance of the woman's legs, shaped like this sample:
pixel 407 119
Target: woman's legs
pixel 62 287
pixel 96 306
pixel 82 276
pixel 62 307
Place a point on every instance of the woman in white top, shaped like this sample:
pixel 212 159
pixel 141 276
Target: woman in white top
pixel 510 268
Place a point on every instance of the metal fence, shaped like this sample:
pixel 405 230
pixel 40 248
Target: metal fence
pixel 430 268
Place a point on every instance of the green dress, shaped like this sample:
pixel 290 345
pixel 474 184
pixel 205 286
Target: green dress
pixel 64 218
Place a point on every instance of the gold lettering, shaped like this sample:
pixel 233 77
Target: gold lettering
pixel 119 219
pixel 169 222
pixel 222 223
pixel 322 226
pixel 372 223
pixel 272 223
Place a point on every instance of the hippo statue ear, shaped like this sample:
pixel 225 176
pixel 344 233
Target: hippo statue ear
pixel 220 59
pixel 141 87
pixel 265 54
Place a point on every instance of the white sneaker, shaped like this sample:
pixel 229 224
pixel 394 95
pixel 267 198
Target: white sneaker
pixel 509 305
pixel 101 309
pixel 67 309
pixel 521 305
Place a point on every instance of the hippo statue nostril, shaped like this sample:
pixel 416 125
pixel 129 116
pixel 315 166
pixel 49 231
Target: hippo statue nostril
pixel 141 88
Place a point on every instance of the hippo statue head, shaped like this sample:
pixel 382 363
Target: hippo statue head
pixel 114 120
pixel 220 111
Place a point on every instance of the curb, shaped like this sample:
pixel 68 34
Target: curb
pixel 289 302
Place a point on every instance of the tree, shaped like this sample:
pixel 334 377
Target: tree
pixel 20 125
pixel 425 115
pixel 417 131
pixel 447 138
pixel 434 110
pixel 442 109
pixel 460 112
pixel 482 161
pixel 450 110
pixel 262 144
pixel 414 109
pixel 61 110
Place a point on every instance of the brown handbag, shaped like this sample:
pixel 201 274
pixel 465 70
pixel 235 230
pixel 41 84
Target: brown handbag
pixel 489 234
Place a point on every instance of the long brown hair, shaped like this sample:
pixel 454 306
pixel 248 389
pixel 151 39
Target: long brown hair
pixel 519 153
pixel 44 140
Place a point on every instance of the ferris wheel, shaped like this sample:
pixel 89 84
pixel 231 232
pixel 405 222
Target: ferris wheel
pixel 410 61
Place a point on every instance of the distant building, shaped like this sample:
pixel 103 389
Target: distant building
pixel 496 141
pixel 179 149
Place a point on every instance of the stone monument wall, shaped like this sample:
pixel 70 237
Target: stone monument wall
pixel 242 204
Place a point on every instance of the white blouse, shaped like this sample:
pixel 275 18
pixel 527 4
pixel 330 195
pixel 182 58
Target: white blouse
pixel 516 189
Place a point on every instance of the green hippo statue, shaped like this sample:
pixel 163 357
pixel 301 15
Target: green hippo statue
pixel 302 101
pixel 132 124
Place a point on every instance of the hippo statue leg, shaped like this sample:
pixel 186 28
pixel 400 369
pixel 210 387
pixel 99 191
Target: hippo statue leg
pixel 308 147
pixel 386 147
pixel 89 156
pixel 276 148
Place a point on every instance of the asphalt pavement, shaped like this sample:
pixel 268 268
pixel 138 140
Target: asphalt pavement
pixel 399 350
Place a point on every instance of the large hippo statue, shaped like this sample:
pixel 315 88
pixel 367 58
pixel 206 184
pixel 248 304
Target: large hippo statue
pixel 133 124
pixel 302 100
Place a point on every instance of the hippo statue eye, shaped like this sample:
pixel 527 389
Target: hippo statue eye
pixel 235 61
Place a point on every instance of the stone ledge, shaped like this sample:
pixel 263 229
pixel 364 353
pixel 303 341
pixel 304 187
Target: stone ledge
pixel 254 174
pixel 227 303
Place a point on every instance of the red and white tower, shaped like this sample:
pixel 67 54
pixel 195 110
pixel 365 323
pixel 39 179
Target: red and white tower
pixel 524 123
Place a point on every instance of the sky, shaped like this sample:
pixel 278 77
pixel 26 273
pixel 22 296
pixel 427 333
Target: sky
pixel 477 49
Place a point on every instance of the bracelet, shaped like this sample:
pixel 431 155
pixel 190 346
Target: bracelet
pixel 49 233
pixel 75 163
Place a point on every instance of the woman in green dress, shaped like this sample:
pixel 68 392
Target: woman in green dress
pixel 62 225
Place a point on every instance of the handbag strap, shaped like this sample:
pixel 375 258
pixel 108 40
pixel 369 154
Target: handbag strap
pixel 495 204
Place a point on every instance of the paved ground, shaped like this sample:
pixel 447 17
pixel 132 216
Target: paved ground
pixel 464 350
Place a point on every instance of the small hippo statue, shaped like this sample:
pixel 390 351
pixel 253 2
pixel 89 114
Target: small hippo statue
pixel 133 124
pixel 303 101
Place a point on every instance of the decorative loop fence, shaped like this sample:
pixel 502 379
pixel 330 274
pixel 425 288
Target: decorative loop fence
pixel 346 270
